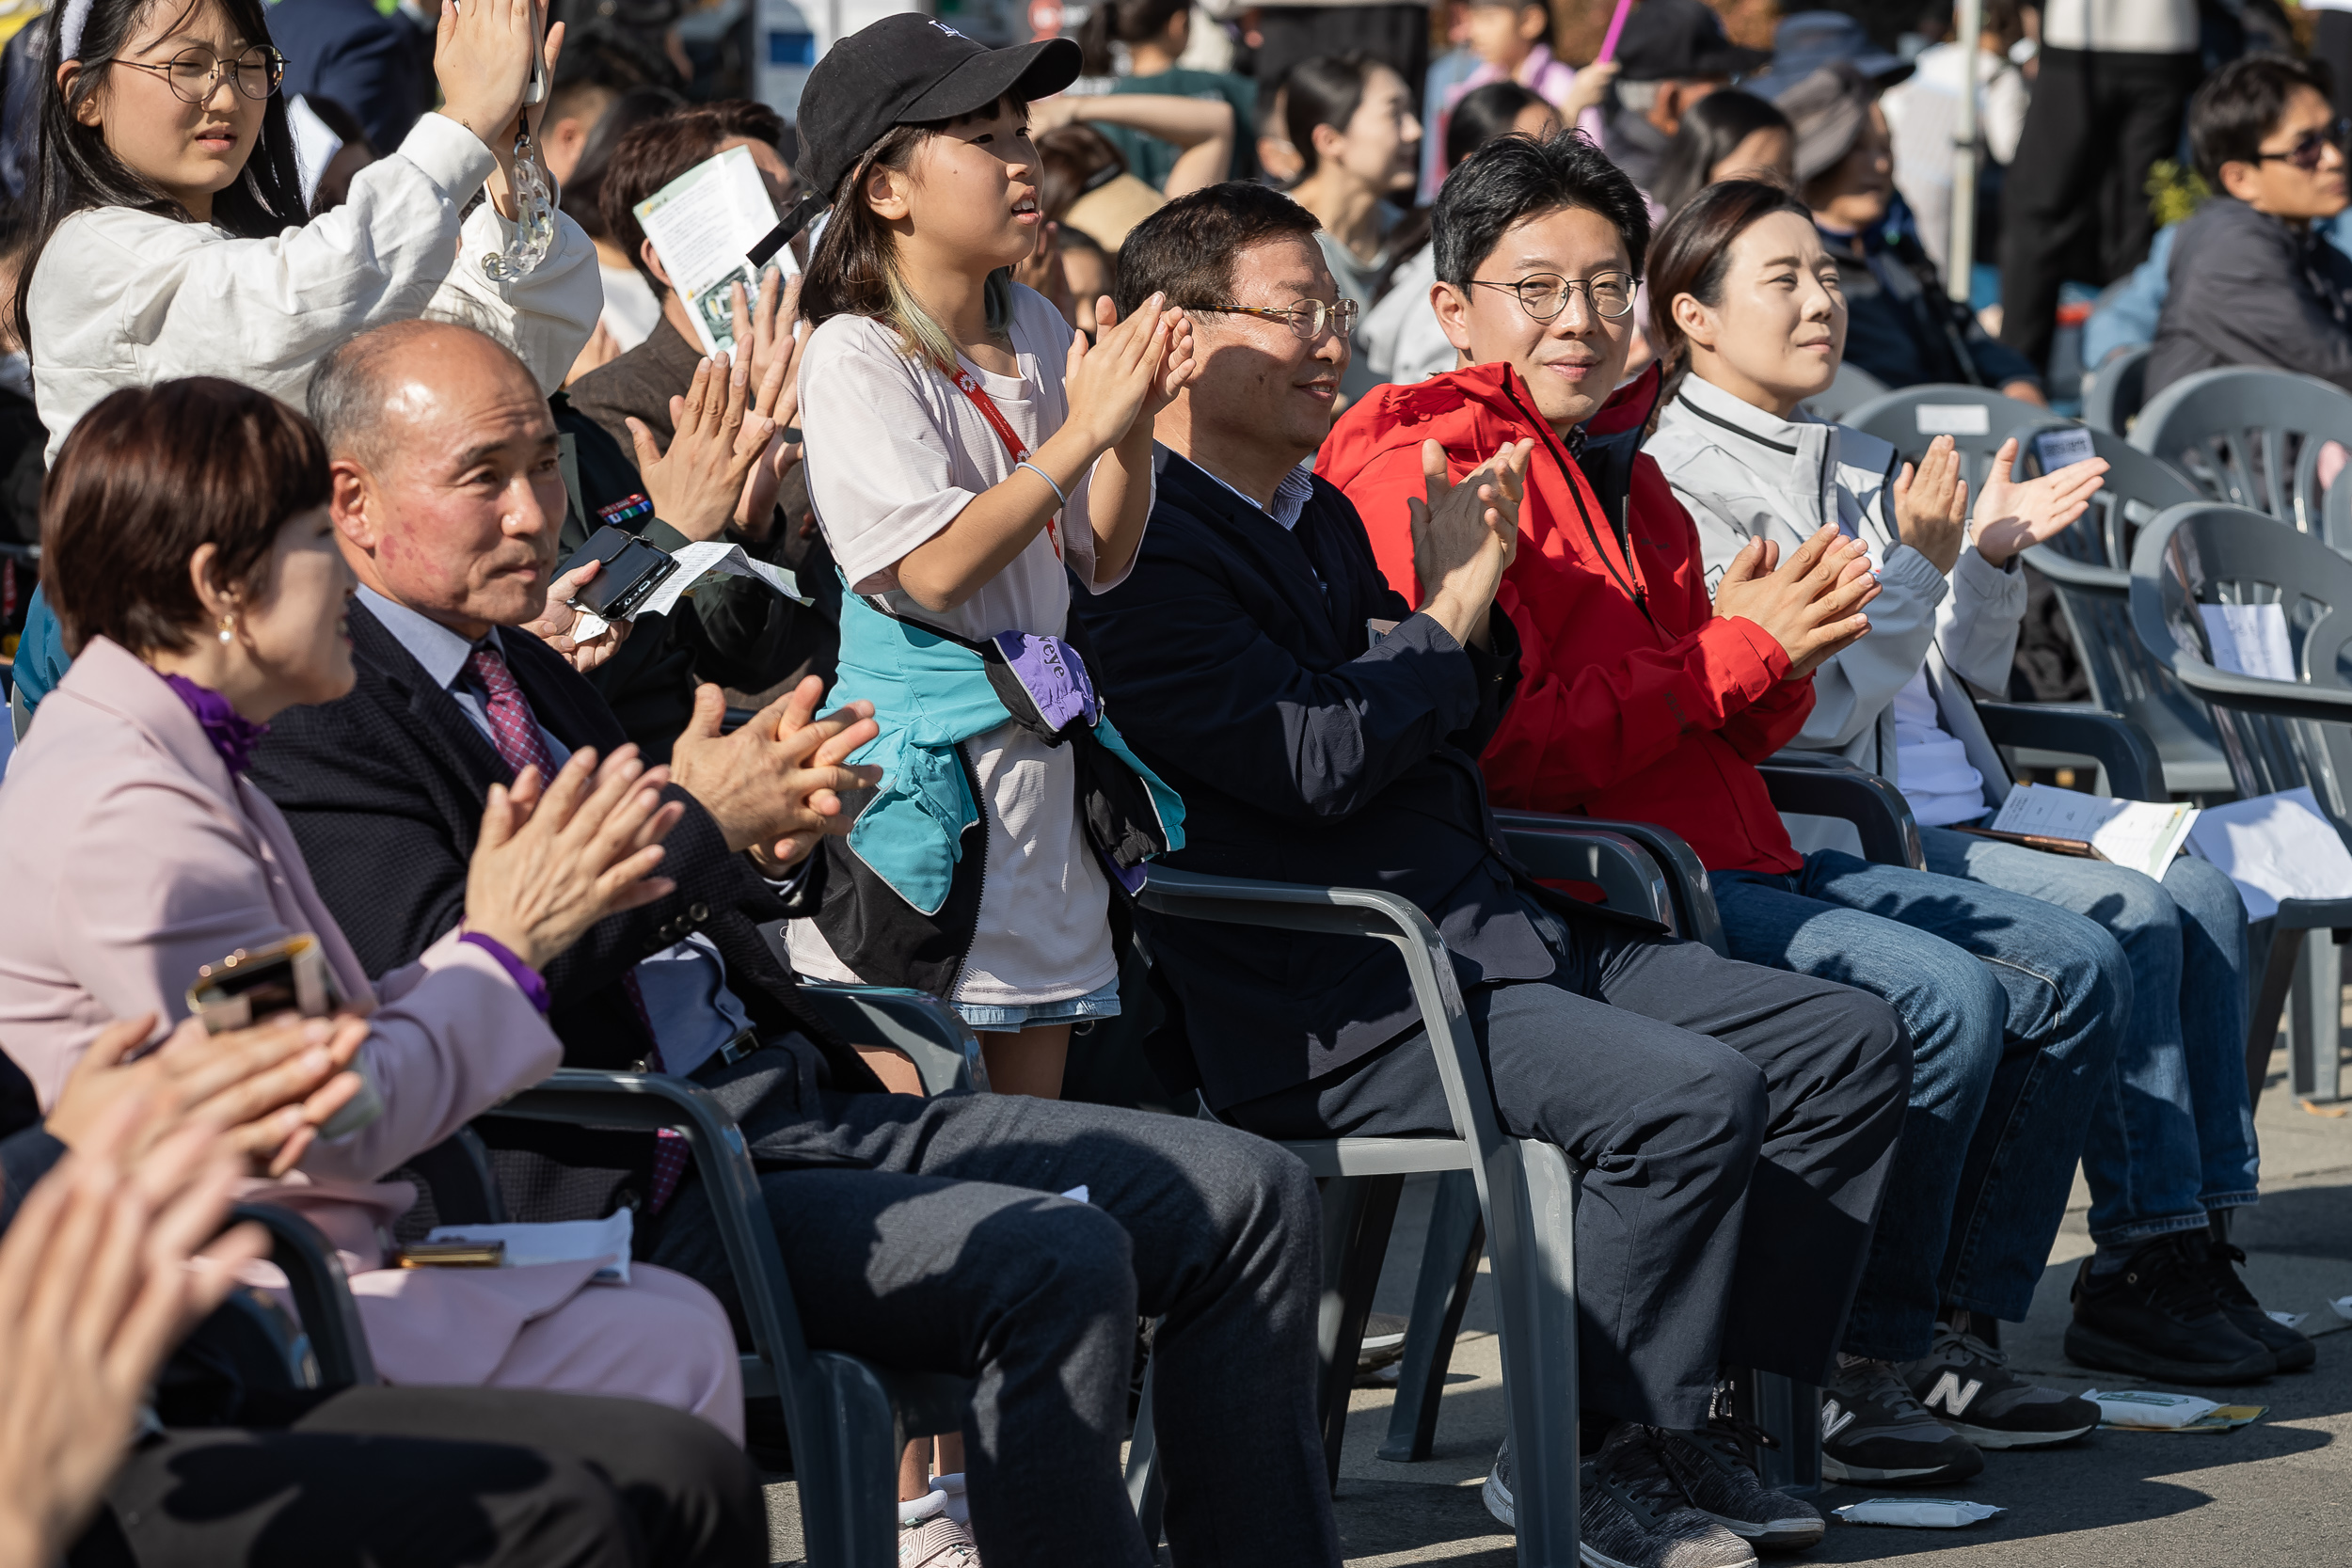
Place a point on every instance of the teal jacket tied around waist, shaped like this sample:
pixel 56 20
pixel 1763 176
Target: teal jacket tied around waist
pixel 931 692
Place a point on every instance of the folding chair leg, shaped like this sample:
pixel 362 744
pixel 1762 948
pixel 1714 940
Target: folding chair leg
pixel 1791 1414
pixel 1448 1267
pixel 1357 1213
pixel 2316 1034
pixel 2270 1000
pixel 1532 1249
pixel 849 1486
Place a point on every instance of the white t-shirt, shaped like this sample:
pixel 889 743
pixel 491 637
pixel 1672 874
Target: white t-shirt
pixel 1931 766
pixel 895 452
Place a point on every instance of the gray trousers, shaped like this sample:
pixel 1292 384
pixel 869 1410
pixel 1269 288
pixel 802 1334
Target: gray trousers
pixel 930 1234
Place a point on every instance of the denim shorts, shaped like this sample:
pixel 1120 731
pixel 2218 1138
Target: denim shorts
pixel 1005 1020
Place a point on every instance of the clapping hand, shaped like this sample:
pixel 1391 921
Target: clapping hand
pixel 1465 537
pixel 555 859
pixel 1812 605
pixel 719 433
pixel 2010 516
pixel 1932 505
pixel 1134 369
pixel 774 785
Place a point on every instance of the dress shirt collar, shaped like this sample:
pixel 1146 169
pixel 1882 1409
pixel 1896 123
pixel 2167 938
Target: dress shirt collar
pixel 1290 496
pixel 441 651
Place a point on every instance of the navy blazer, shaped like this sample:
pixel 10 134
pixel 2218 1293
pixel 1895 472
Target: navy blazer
pixel 1238 661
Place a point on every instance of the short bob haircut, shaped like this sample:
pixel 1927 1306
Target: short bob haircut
pixel 1511 179
pixel 2240 103
pixel 149 475
pixel 1693 251
pixel 1185 250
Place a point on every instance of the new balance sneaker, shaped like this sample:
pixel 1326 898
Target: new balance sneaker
pixel 938 1542
pixel 1632 1514
pixel 2156 1318
pixel 1873 1429
pixel 2289 1347
pixel 1715 1466
pixel 1966 1384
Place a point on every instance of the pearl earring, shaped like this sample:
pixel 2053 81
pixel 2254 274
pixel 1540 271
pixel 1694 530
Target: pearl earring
pixel 228 630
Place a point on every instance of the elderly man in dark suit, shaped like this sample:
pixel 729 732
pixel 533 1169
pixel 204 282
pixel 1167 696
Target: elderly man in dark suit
pixel 927 1233
pixel 1736 1123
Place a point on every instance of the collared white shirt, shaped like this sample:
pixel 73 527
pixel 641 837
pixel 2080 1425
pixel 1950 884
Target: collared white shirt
pixel 684 985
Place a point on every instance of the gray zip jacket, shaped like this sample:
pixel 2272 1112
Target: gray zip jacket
pixel 1745 474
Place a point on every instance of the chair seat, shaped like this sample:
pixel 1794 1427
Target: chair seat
pixel 1327 1157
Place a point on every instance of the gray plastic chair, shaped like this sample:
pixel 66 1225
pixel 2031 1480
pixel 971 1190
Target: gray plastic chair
pixel 1975 418
pixel 2114 393
pixel 2278 735
pixel 847 1418
pixel 2085 567
pixel 1526 1193
pixel 332 1348
pixel 2250 437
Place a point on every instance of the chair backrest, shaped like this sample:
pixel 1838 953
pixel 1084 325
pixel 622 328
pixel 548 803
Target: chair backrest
pixel 2211 554
pixel 2114 393
pixel 2250 437
pixel 1975 418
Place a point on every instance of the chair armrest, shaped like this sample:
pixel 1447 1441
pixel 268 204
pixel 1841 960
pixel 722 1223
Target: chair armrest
pixel 648 1103
pixel 2135 772
pixel 1360 912
pixel 457 1172
pixel 1695 916
pixel 1563 849
pixel 2065 569
pixel 932 1035
pixel 1831 786
pixel 314 1275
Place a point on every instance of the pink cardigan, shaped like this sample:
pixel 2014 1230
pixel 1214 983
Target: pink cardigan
pixel 132 856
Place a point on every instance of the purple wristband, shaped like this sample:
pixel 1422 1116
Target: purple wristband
pixel 526 979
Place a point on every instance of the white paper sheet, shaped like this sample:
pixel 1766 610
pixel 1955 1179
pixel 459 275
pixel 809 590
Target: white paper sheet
pixel 2249 640
pixel 560 1242
pixel 696 564
pixel 1954 418
pixel 2274 846
pixel 702 223
pixel 2142 834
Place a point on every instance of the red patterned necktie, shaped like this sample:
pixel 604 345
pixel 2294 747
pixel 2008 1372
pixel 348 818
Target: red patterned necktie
pixel 515 733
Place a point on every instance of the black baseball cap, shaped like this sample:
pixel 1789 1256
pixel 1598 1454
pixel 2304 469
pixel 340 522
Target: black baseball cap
pixel 1680 40
pixel 905 69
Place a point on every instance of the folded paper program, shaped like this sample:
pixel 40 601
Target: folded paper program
pixel 696 564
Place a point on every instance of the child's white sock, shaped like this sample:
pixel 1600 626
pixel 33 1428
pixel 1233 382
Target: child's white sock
pixel 928 1506
pixel 959 1500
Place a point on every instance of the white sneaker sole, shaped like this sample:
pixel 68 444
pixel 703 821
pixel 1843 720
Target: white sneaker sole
pixel 1497 1501
pixel 1778 1535
pixel 1989 1437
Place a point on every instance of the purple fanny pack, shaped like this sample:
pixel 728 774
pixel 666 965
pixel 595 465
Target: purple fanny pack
pixel 1050 671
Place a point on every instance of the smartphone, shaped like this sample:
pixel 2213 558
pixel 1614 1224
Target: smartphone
pixel 535 86
pixel 632 570
pixel 291 976
pixel 451 1255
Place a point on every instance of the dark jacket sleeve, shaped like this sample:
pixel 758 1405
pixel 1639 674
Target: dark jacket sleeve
pixel 1194 677
pixel 24 1158
pixel 2238 291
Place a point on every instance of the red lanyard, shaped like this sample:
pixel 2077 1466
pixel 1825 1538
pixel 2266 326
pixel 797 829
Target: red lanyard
pixel 969 385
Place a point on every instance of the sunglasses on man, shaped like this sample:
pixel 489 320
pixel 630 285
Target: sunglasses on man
pixel 2306 153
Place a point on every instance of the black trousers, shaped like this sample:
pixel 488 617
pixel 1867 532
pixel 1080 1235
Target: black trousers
pixel 938 1240
pixel 428 1478
pixel 1396 36
pixel 2075 203
pixel 1735 1124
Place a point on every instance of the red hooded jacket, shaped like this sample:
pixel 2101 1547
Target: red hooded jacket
pixel 1635 699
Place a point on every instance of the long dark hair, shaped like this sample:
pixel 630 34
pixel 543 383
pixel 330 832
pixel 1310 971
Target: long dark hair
pixel 1711 131
pixel 1123 22
pixel 854 269
pixel 1693 251
pixel 79 171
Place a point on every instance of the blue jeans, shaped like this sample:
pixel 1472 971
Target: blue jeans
pixel 2172 1135
pixel 2014 1007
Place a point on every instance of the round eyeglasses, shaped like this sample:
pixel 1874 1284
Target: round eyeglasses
pixel 193 73
pixel 1306 320
pixel 1546 294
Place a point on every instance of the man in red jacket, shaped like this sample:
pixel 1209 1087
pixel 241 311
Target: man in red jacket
pixel 1640 698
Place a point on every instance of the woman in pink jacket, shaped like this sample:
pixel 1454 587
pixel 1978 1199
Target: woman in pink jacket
pixel 189 555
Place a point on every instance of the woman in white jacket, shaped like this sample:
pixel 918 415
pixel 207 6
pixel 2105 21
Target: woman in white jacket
pixel 1745 306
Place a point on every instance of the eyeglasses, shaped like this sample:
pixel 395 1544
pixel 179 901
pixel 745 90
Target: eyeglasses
pixel 1546 294
pixel 193 73
pixel 1305 319
pixel 2305 154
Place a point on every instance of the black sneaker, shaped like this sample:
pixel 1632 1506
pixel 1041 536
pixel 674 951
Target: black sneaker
pixel 1384 1344
pixel 2156 1318
pixel 1966 1384
pixel 1631 1514
pixel 1873 1430
pixel 1715 1466
pixel 2290 1347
